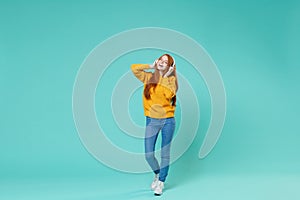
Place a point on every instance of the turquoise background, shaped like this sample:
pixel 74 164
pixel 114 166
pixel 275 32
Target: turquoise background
pixel 255 46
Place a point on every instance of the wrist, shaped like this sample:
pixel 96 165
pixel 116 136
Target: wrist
pixel 151 66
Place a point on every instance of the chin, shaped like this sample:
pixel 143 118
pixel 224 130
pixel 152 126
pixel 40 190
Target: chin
pixel 161 69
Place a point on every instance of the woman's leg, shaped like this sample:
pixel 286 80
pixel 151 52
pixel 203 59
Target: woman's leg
pixel 152 129
pixel 167 135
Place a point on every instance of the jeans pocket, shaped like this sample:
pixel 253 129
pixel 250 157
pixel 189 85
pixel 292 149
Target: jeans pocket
pixel 170 120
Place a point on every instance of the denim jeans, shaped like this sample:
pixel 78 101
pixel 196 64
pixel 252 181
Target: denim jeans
pixel 153 127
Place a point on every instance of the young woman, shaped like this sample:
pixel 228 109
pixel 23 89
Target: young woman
pixel 159 100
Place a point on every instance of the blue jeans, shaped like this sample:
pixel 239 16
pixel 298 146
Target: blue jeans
pixel 153 127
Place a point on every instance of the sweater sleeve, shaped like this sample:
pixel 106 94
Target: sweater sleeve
pixel 138 71
pixel 170 86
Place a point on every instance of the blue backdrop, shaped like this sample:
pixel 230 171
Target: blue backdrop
pixel 255 46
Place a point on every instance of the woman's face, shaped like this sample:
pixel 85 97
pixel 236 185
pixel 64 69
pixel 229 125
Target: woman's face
pixel 162 63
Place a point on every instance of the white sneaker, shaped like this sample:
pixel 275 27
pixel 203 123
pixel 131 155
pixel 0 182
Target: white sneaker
pixel 159 188
pixel 154 183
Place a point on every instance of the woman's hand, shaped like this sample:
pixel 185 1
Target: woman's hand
pixel 169 72
pixel 154 64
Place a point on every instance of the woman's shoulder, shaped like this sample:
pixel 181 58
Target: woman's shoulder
pixel 148 75
pixel 172 78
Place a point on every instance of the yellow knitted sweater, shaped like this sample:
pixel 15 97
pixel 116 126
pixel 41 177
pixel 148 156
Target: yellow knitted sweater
pixel 159 105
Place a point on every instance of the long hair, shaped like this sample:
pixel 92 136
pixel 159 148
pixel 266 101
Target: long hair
pixel 152 83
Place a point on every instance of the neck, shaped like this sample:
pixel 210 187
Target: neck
pixel 161 73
